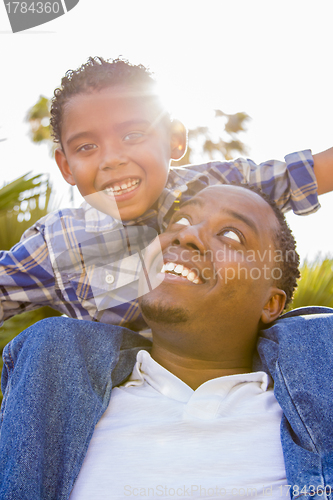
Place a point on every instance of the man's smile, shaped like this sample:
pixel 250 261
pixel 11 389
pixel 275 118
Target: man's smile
pixel 180 270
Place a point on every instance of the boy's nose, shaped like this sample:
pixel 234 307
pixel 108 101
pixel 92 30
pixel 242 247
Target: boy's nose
pixel 113 158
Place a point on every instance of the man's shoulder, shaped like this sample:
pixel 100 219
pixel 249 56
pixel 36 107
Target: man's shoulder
pixel 306 311
pixel 297 325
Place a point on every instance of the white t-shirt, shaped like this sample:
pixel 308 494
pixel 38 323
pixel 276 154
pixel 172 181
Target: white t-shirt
pixel 160 439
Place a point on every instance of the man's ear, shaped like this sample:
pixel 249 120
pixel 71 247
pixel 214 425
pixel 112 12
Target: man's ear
pixel 178 140
pixel 274 306
pixel 62 163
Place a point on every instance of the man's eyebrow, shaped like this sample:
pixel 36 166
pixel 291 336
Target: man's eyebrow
pixel 232 213
pixel 192 201
pixel 244 219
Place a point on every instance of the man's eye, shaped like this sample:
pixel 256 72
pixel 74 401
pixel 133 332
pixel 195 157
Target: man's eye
pixel 87 147
pixel 231 234
pixel 183 221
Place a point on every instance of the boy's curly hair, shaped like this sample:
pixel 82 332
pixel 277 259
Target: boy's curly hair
pixel 96 74
pixel 284 242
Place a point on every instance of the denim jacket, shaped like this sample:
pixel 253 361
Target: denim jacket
pixel 297 351
pixel 57 382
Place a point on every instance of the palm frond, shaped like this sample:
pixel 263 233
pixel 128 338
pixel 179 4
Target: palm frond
pixel 315 286
pixel 22 203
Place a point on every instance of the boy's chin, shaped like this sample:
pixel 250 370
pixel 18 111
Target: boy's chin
pixel 104 203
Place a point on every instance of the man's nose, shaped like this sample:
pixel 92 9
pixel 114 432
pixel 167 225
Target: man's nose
pixel 191 237
pixel 112 158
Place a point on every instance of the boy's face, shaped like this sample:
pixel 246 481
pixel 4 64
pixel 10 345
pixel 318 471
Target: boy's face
pixel 117 148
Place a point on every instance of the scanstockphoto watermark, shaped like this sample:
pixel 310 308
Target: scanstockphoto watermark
pixel 241 272
pixel 194 490
pixel 269 255
pixel 199 491
pixel 230 264
pixel 23 15
pixel 226 274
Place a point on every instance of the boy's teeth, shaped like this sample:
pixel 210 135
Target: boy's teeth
pixel 180 270
pixel 125 186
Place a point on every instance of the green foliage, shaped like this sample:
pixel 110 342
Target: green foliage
pixel 38 117
pixel 11 194
pixel 22 202
pixel 218 142
pixel 315 287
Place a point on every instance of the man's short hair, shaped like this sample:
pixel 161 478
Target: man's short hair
pixel 97 74
pixel 285 243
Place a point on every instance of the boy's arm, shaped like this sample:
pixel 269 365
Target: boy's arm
pixel 26 278
pixel 323 169
pixel 291 183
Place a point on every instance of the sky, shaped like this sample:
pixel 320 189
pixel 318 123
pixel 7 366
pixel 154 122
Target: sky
pixel 271 59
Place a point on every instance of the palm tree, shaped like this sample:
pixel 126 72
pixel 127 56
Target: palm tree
pixel 315 286
pixel 22 202
pixel 219 143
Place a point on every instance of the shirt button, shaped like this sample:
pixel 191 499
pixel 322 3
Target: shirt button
pixel 109 279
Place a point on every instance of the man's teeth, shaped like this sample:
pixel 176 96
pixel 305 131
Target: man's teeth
pixel 120 188
pixel 180 270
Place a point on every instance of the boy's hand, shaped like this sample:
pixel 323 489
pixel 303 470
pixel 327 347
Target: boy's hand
pixel 323 169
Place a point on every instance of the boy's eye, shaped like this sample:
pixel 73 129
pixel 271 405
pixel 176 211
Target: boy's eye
pixel 133 136
pixel 231 234
pixel 87 147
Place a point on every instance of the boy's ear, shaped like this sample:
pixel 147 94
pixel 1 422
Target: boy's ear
pixel 178 140
pixel 61 160
pixel 274 306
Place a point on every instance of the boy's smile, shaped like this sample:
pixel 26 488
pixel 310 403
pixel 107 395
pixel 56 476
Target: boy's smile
pixel 117 147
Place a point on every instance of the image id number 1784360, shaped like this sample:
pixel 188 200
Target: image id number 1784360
pixel 33 7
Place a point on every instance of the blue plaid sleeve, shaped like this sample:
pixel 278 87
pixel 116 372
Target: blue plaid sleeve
pixel 291 184
pixel 90 275
pixel 26 277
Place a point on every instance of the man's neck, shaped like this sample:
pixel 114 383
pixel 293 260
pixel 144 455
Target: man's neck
pixel 194 372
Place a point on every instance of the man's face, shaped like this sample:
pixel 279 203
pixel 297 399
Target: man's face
pixel 219 270
pixel 115 144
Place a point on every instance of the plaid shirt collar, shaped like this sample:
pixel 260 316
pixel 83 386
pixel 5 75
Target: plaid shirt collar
pixel 96 221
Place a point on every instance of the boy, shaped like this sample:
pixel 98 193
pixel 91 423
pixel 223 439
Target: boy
pixel 116 141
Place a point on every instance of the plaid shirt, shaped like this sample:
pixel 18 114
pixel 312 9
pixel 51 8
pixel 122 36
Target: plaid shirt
pixel 85 264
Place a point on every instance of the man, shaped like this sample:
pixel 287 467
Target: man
pixel 192 419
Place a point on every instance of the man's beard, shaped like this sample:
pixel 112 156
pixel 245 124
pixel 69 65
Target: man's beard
pixel 160 313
